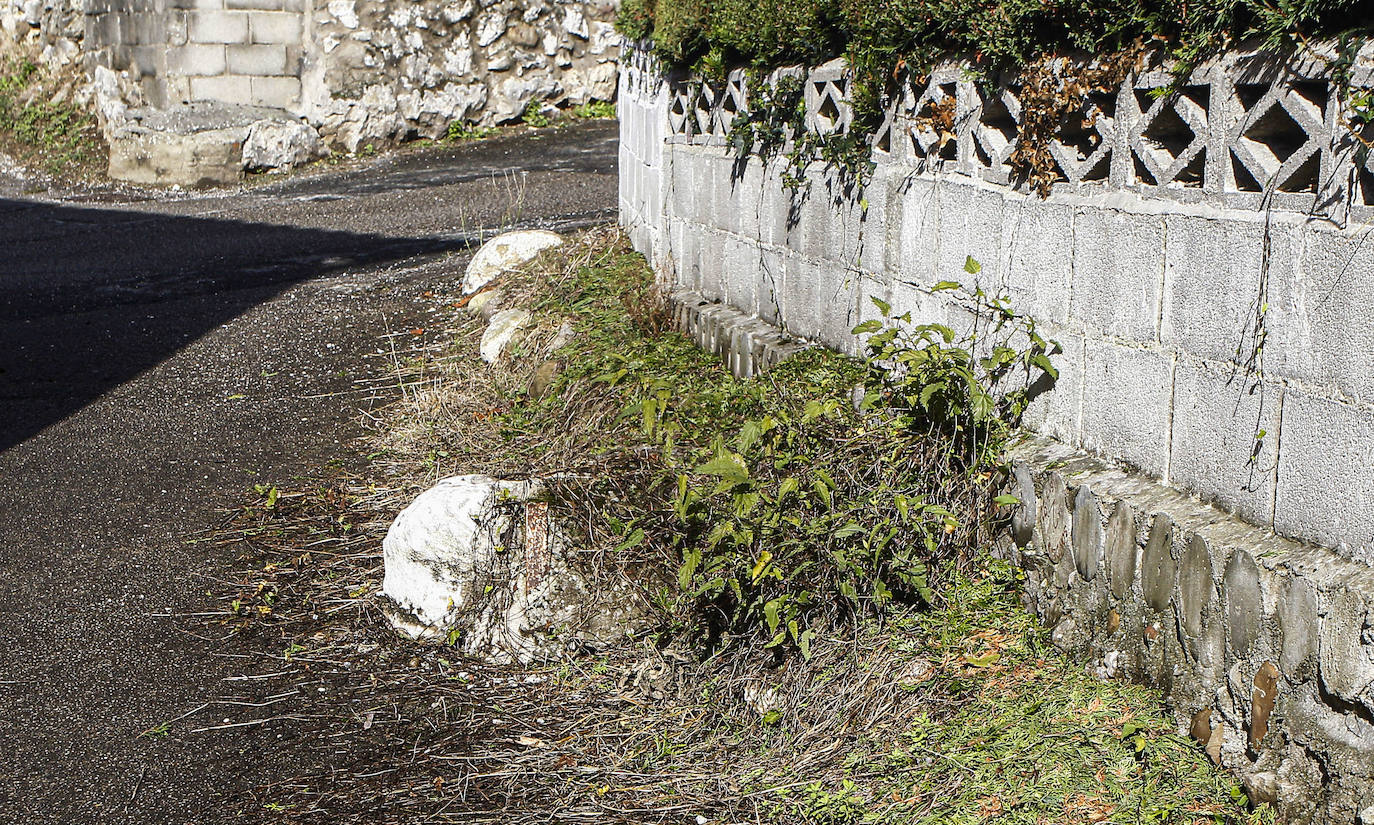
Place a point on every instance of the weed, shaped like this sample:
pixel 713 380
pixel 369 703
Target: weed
pixel 42 125
pixel 594 109
pixel 534 116
pixel 460 130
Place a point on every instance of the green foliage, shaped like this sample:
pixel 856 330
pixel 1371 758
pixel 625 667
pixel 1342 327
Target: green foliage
pixel 888 41
pixel 58 136
pixel 460 130
pixel 593 109
pixel 788 504
pixel 896 34
pixel 534 116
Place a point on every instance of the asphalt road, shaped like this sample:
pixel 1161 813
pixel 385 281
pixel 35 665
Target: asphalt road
pixel 159 355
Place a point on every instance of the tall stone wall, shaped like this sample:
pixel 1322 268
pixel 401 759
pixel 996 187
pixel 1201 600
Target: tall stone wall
pixel 391 69
pixel 360 71
pixel 1199 511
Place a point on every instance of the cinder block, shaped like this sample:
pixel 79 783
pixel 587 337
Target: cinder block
pixel 1212 282
pixel 1056 407
pixel 147 30
pixel 254 5
pixel 206 5
pixel 1319 315
pixel 225 88
pixel 256 60
pixel 801 297
pixel 1038 242
pixel 770 281
pixel 1118 269
pixel 197 60
pixel 971 221
pixel 148 60
pixel 749 195
pixel 740 275
pixel 916 209
pixel 839 301
pixel 219 27
pixel 1325 480
pixel 711 277
pixel 880 222
pixel 1126 399
pixel 1217 415
pixel 275 27
pixel 782 208
pixel 277 92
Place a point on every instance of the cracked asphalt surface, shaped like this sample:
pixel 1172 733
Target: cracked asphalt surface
pixel 159 354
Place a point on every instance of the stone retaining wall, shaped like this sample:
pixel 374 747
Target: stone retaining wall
pixel 1200 497
pixel 361 71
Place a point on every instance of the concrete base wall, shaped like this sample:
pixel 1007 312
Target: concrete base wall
pixel 1215 374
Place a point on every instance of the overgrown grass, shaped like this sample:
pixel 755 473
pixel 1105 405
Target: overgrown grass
pixel 952 708
pixel 41 125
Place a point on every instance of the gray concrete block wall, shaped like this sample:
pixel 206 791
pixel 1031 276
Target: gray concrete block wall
pixel 1209 521
pixel 232 51
pixel 1254 306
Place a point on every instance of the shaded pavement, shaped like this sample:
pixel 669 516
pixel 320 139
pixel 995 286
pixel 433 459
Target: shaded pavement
pixel 160 355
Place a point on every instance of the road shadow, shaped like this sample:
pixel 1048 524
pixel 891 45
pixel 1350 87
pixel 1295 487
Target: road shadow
pixel 91 297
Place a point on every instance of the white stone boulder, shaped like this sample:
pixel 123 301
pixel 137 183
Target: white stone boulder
pixel 481 563
pixel 500 331
pixel 280 145
pixel 503 253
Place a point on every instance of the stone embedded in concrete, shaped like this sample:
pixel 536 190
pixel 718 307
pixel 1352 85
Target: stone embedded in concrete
pixel 1262 702
pixel 280 145
pixel 1054 518
pixel 1087 533
pixel 1244 602
pixel 1121 549
pixel 1347 647
pixel 504 253
pixel 1158 568
pixel 1023 517
pixel 1196 590
pixel 1299 625
pixel 500 332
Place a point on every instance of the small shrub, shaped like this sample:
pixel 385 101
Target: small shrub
pixel 534 116
pixel 460 130
pixel 594 109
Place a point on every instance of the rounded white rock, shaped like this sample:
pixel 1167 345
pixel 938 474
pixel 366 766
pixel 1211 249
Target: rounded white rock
pixel 504 253
pixel 500 331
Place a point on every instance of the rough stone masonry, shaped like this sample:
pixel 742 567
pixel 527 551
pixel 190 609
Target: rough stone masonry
pixel 358 71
